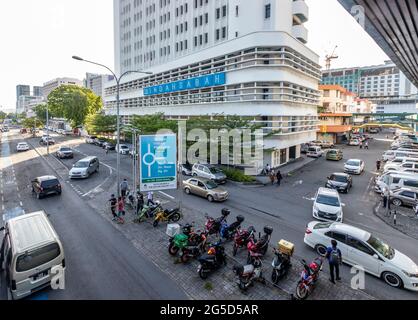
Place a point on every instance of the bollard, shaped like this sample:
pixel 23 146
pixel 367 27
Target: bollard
pixel 394 217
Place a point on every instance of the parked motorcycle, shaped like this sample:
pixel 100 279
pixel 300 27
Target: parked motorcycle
pixel 213 226
pixel 249 273
pixel 180 240
pixel 228 232
pixel 259 247
pixel 282 260
pixel 148 212
pixel 242 237
pixel 194 246
pixel 212 260
pixel 168 215
pixel 309 277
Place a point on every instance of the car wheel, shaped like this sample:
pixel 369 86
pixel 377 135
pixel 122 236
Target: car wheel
pixel 321 250
pixel 397 202
pixel 187 190
pixel 392 279
pixel 210 198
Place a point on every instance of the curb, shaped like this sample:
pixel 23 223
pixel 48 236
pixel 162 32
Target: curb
pixel 375 211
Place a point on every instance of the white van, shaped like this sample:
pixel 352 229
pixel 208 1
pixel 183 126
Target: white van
pixel 392 154
pixel 399 180
pixel 314 152
pixel 31 254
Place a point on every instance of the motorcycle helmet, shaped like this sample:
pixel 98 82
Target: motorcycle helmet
pixel 268 230
pixel 240 218
pixel 313 266
pixel 212 251
pixel 226 212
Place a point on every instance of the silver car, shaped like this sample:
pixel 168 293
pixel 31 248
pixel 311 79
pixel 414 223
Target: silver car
pixel 209 172
pixel 404 197
pixel 84 168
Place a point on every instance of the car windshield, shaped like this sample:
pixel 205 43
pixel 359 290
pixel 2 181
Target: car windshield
pixel 211 185
pixel 65 149
pixel 323 225
pixel 353 163
pixel 214 170
pixel 81 164
pixel 381 247
pixel 50 183
pixel 328 200
pixel 339 178
pixel 124 147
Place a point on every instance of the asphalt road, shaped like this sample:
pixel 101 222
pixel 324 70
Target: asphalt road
pixel 101 262
pixel 289 208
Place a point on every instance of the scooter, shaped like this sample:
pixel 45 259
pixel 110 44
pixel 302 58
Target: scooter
pixel 250 273
pixel 309 278
pixel 168 215
pixel 281 265
pixel 194 247
pixel 241 238
pixel 213 226
pixel 148 212
pixel 181 240
pixel 228 232
pixel 214 259
pixel 259 247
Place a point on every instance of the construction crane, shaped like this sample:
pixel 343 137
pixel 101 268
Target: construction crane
pixel 328 58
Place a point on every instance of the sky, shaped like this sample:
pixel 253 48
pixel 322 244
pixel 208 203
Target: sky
pixel 38 38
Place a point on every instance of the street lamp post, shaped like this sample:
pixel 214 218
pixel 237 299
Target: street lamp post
pixel 117 79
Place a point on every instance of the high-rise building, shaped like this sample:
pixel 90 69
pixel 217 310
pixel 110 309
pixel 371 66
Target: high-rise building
pixel 25 104
pixel 22 90
pixel 37 91
pixel 95 82
pixel 55 83
pixel 373 82
pixel 207 59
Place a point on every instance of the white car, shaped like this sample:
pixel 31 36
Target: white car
pixel 123 149
pixel 327 205
pixel 22 146
pixel 354 142
pixel 354 166
pixel 406 166
pixel 360 248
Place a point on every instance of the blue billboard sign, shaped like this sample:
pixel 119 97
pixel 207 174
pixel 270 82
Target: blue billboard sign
pixel 210 80
pixel 158 162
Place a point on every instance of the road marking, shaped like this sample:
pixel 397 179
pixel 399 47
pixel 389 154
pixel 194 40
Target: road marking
pixel 167 195
pixel 21 204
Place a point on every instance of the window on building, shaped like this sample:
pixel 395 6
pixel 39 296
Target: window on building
pixel 224 11
pixel 223 32
pixel 267 11
pixel 217 33
pixel 236 11
pixel 218 13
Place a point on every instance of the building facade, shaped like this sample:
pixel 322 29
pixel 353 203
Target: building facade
pixel 207 59
pixel 373 82
pixel 25 104
pixel 21 90
pixel 50 86
pixel 37 91
pixel 335 113
pixel 95 82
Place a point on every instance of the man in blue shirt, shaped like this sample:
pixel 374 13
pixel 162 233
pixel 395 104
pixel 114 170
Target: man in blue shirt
pixel 335 259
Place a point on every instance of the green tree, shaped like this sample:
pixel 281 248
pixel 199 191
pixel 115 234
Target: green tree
pixel 32 123
pixel 101 124
pixel 3 115
pixel 73 103
pixel 40 111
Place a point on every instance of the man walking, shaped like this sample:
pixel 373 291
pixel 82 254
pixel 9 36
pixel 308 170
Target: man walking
pixel 272 176
pixel 124 187
pixel 378 163
pixel 150 198
pixel 279 178
pixel 335 259
pixel 113 205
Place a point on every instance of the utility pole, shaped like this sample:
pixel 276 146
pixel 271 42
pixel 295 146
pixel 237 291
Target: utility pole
pixel 47 131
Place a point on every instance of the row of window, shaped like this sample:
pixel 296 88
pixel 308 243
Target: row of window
pixel 181 10
pixel 201 2
pixel 277 56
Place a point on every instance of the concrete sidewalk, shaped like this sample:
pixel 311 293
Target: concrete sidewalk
pixel 288 169
pixel 406 221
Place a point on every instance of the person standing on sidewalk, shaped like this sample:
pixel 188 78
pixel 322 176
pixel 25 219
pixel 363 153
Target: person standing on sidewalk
pixel 124 187
pixel 121 209
pixel 272 177
pixel 385 194
pixel 279 178
pixel 140 202
pixel 150 198
pixel 335 260
pixel 378 163
pixel 416 209
pixel 113 206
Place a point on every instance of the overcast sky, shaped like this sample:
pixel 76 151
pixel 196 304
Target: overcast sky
pixel 38 38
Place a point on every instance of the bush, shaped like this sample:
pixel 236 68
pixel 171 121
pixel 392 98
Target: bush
pixel 237 175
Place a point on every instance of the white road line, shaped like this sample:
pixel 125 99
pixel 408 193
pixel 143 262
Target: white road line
pixel 167 195
pixel 21 204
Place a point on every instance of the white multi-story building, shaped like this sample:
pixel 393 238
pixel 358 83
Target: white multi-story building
pixel 231 57
pixel 25 104
pixel 55 83
pixel 95 82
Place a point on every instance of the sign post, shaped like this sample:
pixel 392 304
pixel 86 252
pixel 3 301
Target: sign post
pixel 158 162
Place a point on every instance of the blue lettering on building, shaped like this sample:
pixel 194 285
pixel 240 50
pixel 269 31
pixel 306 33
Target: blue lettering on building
pixel 209 80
